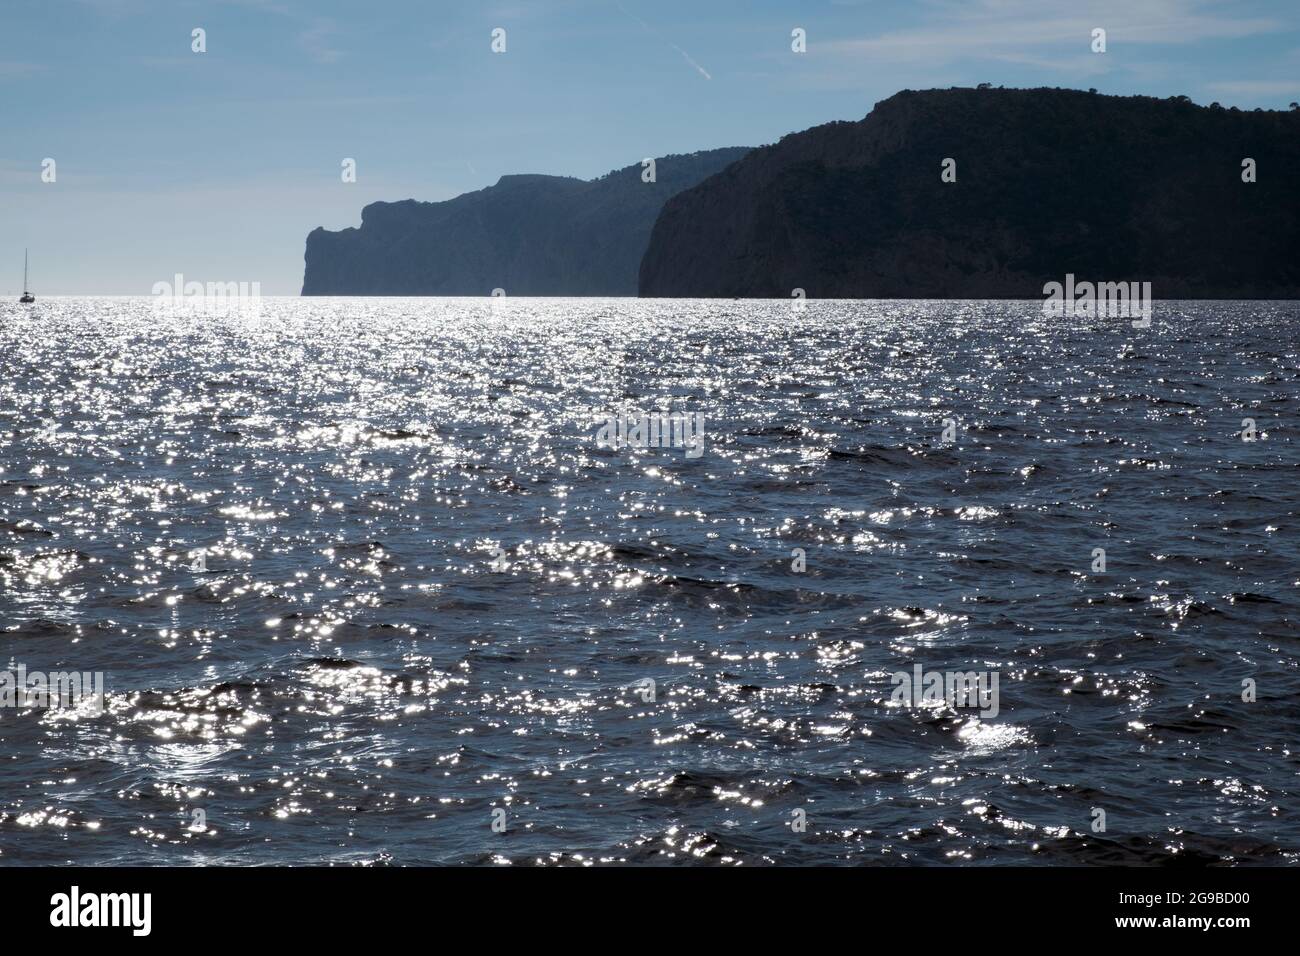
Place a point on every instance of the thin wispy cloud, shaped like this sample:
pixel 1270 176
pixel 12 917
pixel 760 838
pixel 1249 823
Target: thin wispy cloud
pixel 993 29
pixel 315 42
pixel 1085 64
pixel 649 29
pixel 687 57
pixel 117 8
pixel 16 68
pixel 1256 87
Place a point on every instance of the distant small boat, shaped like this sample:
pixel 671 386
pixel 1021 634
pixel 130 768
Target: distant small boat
pixel 26 296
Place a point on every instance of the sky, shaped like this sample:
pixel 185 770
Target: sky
pixel 217 164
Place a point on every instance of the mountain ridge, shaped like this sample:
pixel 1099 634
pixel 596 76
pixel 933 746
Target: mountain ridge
pixel 1048 182
pixel 528 234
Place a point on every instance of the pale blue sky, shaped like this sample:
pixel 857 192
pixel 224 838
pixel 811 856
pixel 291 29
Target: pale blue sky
pixel 217 165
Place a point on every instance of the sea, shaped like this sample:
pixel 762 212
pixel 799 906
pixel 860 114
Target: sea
pixel 371 581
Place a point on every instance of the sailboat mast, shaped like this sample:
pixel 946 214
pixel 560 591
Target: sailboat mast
pixel 24 270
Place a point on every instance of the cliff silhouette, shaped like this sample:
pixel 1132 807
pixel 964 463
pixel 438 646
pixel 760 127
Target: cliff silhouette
pixel 528 235
pixel 1048 181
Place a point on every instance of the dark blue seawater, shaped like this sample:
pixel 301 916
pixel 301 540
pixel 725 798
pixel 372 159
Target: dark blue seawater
pixel 359 677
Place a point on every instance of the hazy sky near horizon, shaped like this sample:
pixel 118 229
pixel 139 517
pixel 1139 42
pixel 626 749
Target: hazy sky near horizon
pixel 217 165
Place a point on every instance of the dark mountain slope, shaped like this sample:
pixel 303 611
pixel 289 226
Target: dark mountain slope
pixel 1048 182
pixel 529 235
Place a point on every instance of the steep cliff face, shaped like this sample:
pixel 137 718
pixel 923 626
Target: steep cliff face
pixel 528 235
pixel 1047 182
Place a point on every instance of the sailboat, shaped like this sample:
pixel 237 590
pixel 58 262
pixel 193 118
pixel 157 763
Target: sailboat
pixel 26 296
